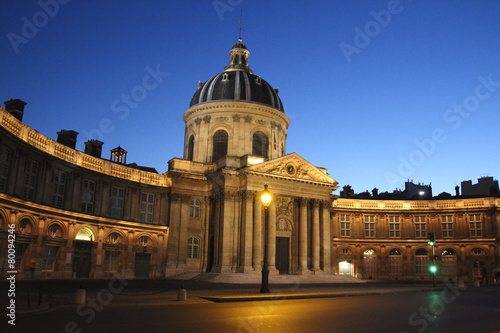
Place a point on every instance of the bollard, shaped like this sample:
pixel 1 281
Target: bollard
pixel 461 283
pixel 182 295
pixel 477 283
pixel 80 296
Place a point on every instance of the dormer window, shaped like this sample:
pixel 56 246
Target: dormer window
pixel 258 80
pixel 224 77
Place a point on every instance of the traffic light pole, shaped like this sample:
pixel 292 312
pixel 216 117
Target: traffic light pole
pixel 434 264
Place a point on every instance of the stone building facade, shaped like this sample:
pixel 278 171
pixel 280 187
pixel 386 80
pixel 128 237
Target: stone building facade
pixel 77 215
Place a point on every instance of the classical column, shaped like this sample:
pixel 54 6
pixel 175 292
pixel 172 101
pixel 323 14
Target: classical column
pixel 315 236
pixel 271 238
pixel 327 238
pixel 130 256
pixel 303 236
pixel 248 240
pixel 227 234
pixel 257 234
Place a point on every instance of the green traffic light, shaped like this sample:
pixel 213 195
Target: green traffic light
pixel 430 243
pixel 433 268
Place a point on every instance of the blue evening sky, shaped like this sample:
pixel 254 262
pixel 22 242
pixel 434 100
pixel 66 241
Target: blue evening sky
pixel 377 91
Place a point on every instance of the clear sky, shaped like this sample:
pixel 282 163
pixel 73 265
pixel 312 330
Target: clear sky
pixel 377 92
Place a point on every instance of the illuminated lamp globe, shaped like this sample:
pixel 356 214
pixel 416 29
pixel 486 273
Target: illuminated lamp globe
pixel 265 197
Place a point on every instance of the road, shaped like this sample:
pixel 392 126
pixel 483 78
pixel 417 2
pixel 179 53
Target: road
pixel 470 310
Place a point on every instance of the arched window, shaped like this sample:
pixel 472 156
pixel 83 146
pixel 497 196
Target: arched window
pixel 190 148
pixel 260 145
pixel 395 261
pixel 193 248
pixel 421 261
pixel 220 145
pixel 194 209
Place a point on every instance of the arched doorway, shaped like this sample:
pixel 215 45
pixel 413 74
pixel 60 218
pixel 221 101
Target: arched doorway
pixel 369 263
pixel 449 266
pixel 82 255
pixel 395 261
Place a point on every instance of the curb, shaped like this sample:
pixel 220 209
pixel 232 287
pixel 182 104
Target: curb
pixel 223 299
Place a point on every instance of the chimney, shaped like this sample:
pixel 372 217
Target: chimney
pixel 93 148
pixel 457 191
pixel 67 138
pixel 375 192
pixel 16 108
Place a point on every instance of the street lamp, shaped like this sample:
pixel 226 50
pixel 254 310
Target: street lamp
pixel 265 198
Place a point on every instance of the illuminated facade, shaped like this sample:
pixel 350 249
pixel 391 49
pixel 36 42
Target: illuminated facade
pixel 77 215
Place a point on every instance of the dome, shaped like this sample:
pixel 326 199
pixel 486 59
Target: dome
pixel 237 83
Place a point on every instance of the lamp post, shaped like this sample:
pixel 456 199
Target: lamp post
pixel 265 198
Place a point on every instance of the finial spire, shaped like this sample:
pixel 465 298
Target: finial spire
pixel 241 24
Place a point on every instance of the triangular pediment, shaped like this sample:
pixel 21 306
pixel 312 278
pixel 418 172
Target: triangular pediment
pixel 293 166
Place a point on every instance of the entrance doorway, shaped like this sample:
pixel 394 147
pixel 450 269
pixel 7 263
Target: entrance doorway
pixel 283 254
pixel 141 267
pixel 345 268
pixel 82 258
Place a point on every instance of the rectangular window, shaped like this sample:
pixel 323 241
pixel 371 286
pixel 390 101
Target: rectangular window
pixel 58 187
pixel 30 175
pixel 395 264
pixel 420 230
pixel 88 189
pixel 447 226
pixel 5 156
pixel 394 227
pixel 475 225
pixel 117 195
pixel 345 225
pixel 20 250
pixel 421 264
pixel 370 226
pixel 111 259
pixel 193 247
pixel 49 257
pixel 147 202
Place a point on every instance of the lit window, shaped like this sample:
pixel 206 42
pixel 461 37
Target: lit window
pixel 194 209
pixel 193 248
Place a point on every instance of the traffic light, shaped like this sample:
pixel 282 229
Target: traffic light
pixel 431 241
pixel 433 268
pixel 435 257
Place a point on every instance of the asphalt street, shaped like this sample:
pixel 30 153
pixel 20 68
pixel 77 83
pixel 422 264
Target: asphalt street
pixel 447 309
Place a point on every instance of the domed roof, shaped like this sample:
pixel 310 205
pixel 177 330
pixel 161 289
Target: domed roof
pixel 237 83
